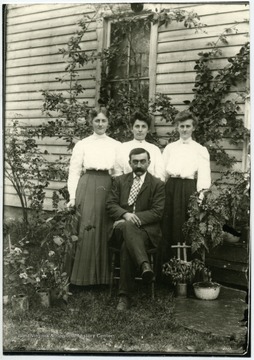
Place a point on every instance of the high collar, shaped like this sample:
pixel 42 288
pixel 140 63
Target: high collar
pixel 97 137
pixel 139 141
pixel 187 141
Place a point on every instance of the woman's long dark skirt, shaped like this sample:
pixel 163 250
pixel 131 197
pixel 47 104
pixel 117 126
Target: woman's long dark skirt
pixel 178 192
pixel 91 258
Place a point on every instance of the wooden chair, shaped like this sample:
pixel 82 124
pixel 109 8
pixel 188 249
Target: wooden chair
pixel 115 268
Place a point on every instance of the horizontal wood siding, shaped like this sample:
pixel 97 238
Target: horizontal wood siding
pixel 36 32
pixel 177 50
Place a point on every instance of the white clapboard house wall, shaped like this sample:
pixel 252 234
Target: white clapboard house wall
pixel 35 32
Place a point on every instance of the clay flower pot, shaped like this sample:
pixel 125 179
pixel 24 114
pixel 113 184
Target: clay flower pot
pixel 181 290
pixel 206 290
pixel 19 303
pixel 44 296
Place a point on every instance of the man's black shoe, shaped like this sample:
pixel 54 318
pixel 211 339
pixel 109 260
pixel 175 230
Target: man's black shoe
pixel 124 303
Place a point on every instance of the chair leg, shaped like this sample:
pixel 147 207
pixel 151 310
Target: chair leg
pixel 111 280
pixel 153 289
pixel 153 281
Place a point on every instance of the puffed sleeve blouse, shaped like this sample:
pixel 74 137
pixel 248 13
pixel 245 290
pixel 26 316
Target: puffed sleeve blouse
pixel 96 152
pixel 188 159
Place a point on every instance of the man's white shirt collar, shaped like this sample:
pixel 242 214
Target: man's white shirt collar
pixel 142 178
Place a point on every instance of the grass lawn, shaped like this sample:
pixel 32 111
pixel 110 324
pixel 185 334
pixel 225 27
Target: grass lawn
pixel 90 323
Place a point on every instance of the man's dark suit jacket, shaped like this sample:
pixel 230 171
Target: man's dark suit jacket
pixel 149 204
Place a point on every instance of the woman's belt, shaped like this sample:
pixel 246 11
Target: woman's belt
pixel 96 172
pixel 181 177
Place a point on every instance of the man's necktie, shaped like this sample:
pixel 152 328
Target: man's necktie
pixel 134 190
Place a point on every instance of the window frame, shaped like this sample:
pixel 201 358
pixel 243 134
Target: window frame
pixel 103 30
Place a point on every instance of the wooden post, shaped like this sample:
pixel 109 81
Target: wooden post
pixel 184 252
pixel 101 44
pixel 178 251
pixel 153 67
pixel 179 247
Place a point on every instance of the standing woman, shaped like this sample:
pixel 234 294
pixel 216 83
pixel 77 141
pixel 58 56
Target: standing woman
pixel 92 163
pixel 187 165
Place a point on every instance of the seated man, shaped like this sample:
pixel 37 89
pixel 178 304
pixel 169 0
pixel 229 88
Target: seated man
pixel 136 204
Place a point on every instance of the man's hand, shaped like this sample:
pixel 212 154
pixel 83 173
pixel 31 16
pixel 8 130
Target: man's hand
pixel 71 203
pixel 133 218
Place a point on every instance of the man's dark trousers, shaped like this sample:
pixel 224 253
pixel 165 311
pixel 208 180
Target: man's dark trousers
pixel 133 243
pixel 149 209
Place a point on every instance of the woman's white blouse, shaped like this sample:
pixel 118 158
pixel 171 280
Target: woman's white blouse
pixel 188 159
pixel 96 152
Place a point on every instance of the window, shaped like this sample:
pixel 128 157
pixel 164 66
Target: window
pixel 131 62
pixel 128 65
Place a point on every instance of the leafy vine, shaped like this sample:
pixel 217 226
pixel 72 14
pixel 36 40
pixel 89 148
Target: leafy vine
pixel 69 114
pixel 218 117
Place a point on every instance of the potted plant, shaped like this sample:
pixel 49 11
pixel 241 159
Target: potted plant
pixel 181 273
pixel 206 290
pixel 38 262
pixel 45 281
pixel 57 250
pixel 225 204
pixel 50 281
pixel 17 277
